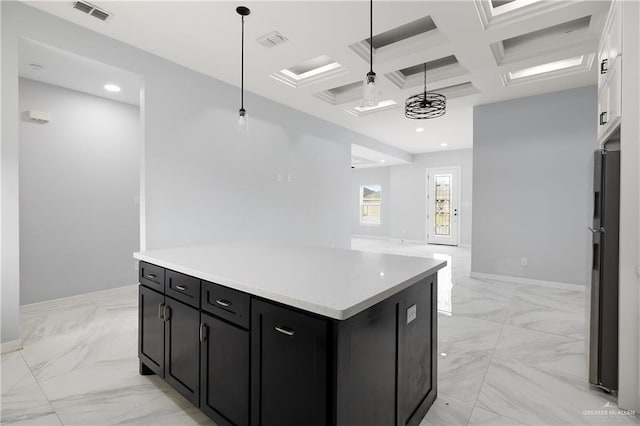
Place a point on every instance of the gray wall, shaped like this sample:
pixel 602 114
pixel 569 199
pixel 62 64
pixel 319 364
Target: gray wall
pixel 404 205
pixel 531 185
pixel 371 176
pixel 200 180
pixel 78 182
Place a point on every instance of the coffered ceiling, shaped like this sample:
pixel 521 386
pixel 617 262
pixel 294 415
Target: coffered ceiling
pixel 477 51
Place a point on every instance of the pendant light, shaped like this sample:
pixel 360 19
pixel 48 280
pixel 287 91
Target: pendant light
pixel 369 89
pixel 426 104
pixel 243 119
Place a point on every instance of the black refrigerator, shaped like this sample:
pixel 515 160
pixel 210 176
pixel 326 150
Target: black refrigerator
pixel 603 343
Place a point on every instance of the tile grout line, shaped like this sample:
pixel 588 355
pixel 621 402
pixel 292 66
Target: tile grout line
pixel 40 387
pixel 475 402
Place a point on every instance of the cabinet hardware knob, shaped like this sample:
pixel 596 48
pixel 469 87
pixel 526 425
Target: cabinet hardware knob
pixel 166 314
pixel 604 66
pixel 161 311
pixel 603 118
pixel 203 332
pixel 151 276
pixel 224 303
pixel 181 287
pixel 285 330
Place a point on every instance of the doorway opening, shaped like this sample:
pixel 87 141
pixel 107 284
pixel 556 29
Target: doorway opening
pixel 443 201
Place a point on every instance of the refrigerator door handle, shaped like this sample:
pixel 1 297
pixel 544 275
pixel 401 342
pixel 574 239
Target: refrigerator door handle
pixel 601 230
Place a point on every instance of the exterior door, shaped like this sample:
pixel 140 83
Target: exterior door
pixel 443 194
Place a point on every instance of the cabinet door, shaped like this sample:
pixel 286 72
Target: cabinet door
pixel 151 330
pixel 289 367
pixel 182 349
pixel 224 371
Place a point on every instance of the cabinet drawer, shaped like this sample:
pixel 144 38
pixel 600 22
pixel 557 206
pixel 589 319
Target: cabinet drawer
pixel 151 276
pixel 232 305
pixel 184 288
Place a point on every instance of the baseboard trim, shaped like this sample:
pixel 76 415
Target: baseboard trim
pixel 13 345
pixel 528 281
pixel 404 240
pixel 370 237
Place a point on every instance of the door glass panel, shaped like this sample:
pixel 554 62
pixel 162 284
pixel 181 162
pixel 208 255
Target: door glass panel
pixel 442 223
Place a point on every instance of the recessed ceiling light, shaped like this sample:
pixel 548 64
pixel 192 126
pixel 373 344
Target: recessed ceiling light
pixel 545 68
pixel 112 87
pixel 420 129
pixel 382 161
pixel 444 144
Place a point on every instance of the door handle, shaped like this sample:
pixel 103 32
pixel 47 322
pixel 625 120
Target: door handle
pixel 203 332
pixel 181 287
pixel 166 313
pixel 595 231
pixel 285 330
pixel 151 276
pixel 161 311
pixel 224 303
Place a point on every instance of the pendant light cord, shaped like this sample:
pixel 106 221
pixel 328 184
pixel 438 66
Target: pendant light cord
pixel 242 69
pixel 371 35
pixel 425 80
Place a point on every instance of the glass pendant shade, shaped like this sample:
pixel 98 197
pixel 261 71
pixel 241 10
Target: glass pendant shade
pixel 243 122
pixel 370 93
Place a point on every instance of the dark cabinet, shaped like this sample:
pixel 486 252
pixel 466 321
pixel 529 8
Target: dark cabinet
pixel 224 371
pixel 182 346
pixel 151 331
pixel 289 367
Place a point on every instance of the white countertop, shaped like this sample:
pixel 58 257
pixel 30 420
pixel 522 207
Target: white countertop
pixel 335 283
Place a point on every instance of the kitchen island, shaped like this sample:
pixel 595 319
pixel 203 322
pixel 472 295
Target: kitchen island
pixel 266 334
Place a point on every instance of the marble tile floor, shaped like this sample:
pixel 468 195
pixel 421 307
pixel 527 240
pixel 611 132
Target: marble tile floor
pixel 508 354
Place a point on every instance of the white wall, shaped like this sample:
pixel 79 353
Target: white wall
pixel 532 185
pixel 200 180
pixel 78 181
pixel 404 198
pixel 629 334
pixel 371 176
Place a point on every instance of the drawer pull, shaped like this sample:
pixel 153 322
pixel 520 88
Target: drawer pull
pixel 166 313
pixel 151 276
pixel 203 332
pixel 603 118
pixel 285 330
pixel 161 311
pixel 181 287
pixel 224 303
pixel 604 66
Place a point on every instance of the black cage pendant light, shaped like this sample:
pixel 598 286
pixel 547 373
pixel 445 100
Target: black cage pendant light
pixel 426 104
pixel 370 92
pixel 243 119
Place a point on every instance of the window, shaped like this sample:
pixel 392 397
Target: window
pixel 370 204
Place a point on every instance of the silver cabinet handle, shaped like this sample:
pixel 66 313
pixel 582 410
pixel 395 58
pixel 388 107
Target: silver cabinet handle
pixel 285 330
pixel 181 287
pixel 203 332
pixel 151 276
pixel 166 313
pixel 224 303
pixel 601 230
pixel 161 311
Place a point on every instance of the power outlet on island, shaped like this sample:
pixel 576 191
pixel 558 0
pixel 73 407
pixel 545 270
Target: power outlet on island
pixel 524 261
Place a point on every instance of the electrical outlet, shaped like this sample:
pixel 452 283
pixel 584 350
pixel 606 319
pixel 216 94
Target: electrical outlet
pixel 278 177
pixel 289 178
pixel 524 261
pixel 135 265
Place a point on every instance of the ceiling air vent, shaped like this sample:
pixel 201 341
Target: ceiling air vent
pixel 272 39
pixel 91 9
